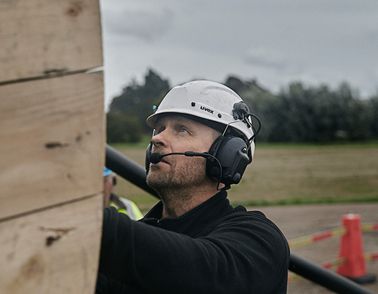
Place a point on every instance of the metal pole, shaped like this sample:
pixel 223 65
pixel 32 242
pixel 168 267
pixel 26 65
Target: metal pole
pixel 324 277
pixel 133 172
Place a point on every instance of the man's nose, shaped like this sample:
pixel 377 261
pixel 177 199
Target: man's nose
pixel 158 140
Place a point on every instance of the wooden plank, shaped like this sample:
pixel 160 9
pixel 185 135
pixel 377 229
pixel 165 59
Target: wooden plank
pixel 52 142
pixel 38 37
pixel 53 251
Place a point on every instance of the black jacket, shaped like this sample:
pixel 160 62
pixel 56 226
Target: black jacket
pixel 213 248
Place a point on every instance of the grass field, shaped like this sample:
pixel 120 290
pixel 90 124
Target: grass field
pixel 291 174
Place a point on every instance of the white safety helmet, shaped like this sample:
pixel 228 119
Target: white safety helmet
pixel 205 100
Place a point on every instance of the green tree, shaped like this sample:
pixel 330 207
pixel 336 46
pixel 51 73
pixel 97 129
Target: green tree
pixel 372 105
pixel 259 100
pixel 318 114
pixel 298 113
pixel 132 107
pixel 122 128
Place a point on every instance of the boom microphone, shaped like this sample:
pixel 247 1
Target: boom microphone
pixel 157 157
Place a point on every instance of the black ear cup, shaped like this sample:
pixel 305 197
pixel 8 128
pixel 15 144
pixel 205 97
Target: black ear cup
pixel 233 156
pixel 212 166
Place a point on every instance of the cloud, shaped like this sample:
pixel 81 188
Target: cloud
pixel 265 58
pixel 272 41
pixel 144 25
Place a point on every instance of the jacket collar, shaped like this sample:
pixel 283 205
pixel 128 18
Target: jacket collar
pixel 193 221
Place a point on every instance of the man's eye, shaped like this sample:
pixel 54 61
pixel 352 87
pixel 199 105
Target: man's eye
pixel 158 130
pixel 183 129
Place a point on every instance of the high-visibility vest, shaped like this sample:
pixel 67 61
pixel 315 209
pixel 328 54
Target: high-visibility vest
pixel 126 206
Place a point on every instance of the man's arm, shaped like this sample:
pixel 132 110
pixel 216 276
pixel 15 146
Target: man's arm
pixel 242 255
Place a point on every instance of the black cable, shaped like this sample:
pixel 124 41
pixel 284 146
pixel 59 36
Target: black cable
pixel 255 131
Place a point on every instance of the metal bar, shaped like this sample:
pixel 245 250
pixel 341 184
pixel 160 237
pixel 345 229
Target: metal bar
pixel 133 172
pixel 324 277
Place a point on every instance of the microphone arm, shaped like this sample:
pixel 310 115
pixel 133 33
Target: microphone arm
pixel 157 157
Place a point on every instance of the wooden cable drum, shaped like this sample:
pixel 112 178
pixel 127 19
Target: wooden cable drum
pixel 52 144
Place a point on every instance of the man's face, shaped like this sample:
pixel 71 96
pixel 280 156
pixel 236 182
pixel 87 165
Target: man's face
pixel 174 133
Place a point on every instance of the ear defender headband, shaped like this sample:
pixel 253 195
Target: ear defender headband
pixel 230 153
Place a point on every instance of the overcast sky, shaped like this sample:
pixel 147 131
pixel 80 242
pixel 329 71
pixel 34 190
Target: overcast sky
pixel 273 41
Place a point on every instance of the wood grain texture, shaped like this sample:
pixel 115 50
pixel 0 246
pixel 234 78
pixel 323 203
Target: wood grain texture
pixel 53 251
pixel 52 142
pixel 39 37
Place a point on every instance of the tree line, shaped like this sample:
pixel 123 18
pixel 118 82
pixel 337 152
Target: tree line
pixel 298 113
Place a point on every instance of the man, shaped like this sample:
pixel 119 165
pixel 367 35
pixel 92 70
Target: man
pixel 122 205
pixel 193 240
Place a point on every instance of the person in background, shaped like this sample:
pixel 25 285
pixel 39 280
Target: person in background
pixel 122 205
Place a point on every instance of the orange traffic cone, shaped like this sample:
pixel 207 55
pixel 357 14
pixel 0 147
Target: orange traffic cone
pixel 352 252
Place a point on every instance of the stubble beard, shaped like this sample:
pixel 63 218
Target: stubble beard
pixel 179 179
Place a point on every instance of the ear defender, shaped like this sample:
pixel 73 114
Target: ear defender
pixel 233 155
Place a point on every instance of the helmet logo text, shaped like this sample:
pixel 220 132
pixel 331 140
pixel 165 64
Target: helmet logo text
pixel 207 109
